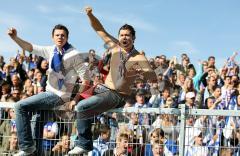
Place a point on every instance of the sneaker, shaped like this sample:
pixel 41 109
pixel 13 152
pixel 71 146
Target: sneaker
pixel 77 150
pixel 22 153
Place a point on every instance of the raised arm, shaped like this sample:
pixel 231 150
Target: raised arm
pixel 12 32
pixel 98 27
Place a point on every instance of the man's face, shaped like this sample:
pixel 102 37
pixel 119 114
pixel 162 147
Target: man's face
pixel 15 80
pixel 123 145
pixel 65 141
pixel 44 64
pixel 217 92
pixel 157 150
pixel 198 140
pixel 13 141
pixel 211 61
pixel 210 103
pixel 125 39
pixel 59 38
pixel 105 136
pixel 190 101
pixel 140 99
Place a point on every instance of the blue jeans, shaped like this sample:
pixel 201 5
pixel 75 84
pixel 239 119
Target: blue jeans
pixel 41 101
pixel 90 107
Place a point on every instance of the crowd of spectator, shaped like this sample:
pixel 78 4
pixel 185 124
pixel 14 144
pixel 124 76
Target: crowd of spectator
pixel 202 86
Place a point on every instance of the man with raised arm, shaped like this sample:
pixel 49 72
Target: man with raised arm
pixel 65 65
pixel 126 64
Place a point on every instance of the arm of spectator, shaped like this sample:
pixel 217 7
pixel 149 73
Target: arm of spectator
pixel 154 101
pixel 169 70
pixel 218 101
pixel 98 27
pixel 203 79
pixel 57 147
pixel 198 100
pixel 22 73
pixel 179 67
pixel 8 76
pixel 12 32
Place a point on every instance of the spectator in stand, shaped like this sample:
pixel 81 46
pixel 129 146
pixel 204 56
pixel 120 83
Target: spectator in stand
pixel 122 141
pixel 155 136
pixel 187 87
pixel 211 85
pixel 198 148
pixel 189 133
pixel 168 124
pixel 62 147
pixel 27 84
pixel 50 133
pixel 16 94
pixel 15 83
pixel 33 59
pixel 102 143
pixel 211 62
pixel 152 63
pixel 92 60
pixel 6 92
pixel 161 64
pixel 38 79
pixel 191 101
pixel 159 100
pixel 30 75
pixel 12 146
pixel 2 63
pixel 181 77
pixel 184 66
pixel 6 128
pixel 30 91
pixel 43 67
pixel 234 81
pixel 158 149
pixel 191 72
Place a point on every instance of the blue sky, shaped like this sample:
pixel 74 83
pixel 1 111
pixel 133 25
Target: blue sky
pixel 198 28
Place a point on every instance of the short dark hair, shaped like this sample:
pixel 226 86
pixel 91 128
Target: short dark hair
pixel 211 57
pixel 104 128
pixel 130 28
pixel 61 27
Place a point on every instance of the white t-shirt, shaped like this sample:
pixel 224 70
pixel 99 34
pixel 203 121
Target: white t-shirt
pixel 73 62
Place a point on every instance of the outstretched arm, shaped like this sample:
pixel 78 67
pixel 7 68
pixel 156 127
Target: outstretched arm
pixel 12 32
pixel 98 27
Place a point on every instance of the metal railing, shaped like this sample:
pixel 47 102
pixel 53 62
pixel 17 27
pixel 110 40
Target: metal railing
pixel 182 113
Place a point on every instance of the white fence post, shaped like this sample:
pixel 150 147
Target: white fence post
pixel 182 130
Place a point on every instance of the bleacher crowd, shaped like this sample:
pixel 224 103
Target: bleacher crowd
pixel 179 81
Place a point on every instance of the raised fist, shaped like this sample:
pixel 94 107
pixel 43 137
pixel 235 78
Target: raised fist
pixel 12 32
pixel 88 10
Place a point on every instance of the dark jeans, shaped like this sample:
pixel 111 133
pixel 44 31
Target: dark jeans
pixel 41 101
pixel 93 106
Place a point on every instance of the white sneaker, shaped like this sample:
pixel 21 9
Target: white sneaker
pixel 77 150
pixel 22 153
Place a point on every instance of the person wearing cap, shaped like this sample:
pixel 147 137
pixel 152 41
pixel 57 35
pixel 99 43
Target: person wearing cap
pixel 190 100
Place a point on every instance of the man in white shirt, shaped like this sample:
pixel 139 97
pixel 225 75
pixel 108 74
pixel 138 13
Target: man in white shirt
pixel 65 63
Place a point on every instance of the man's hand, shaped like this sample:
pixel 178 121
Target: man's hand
pixel 12 32
pixel 70 105
pixel 88 10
